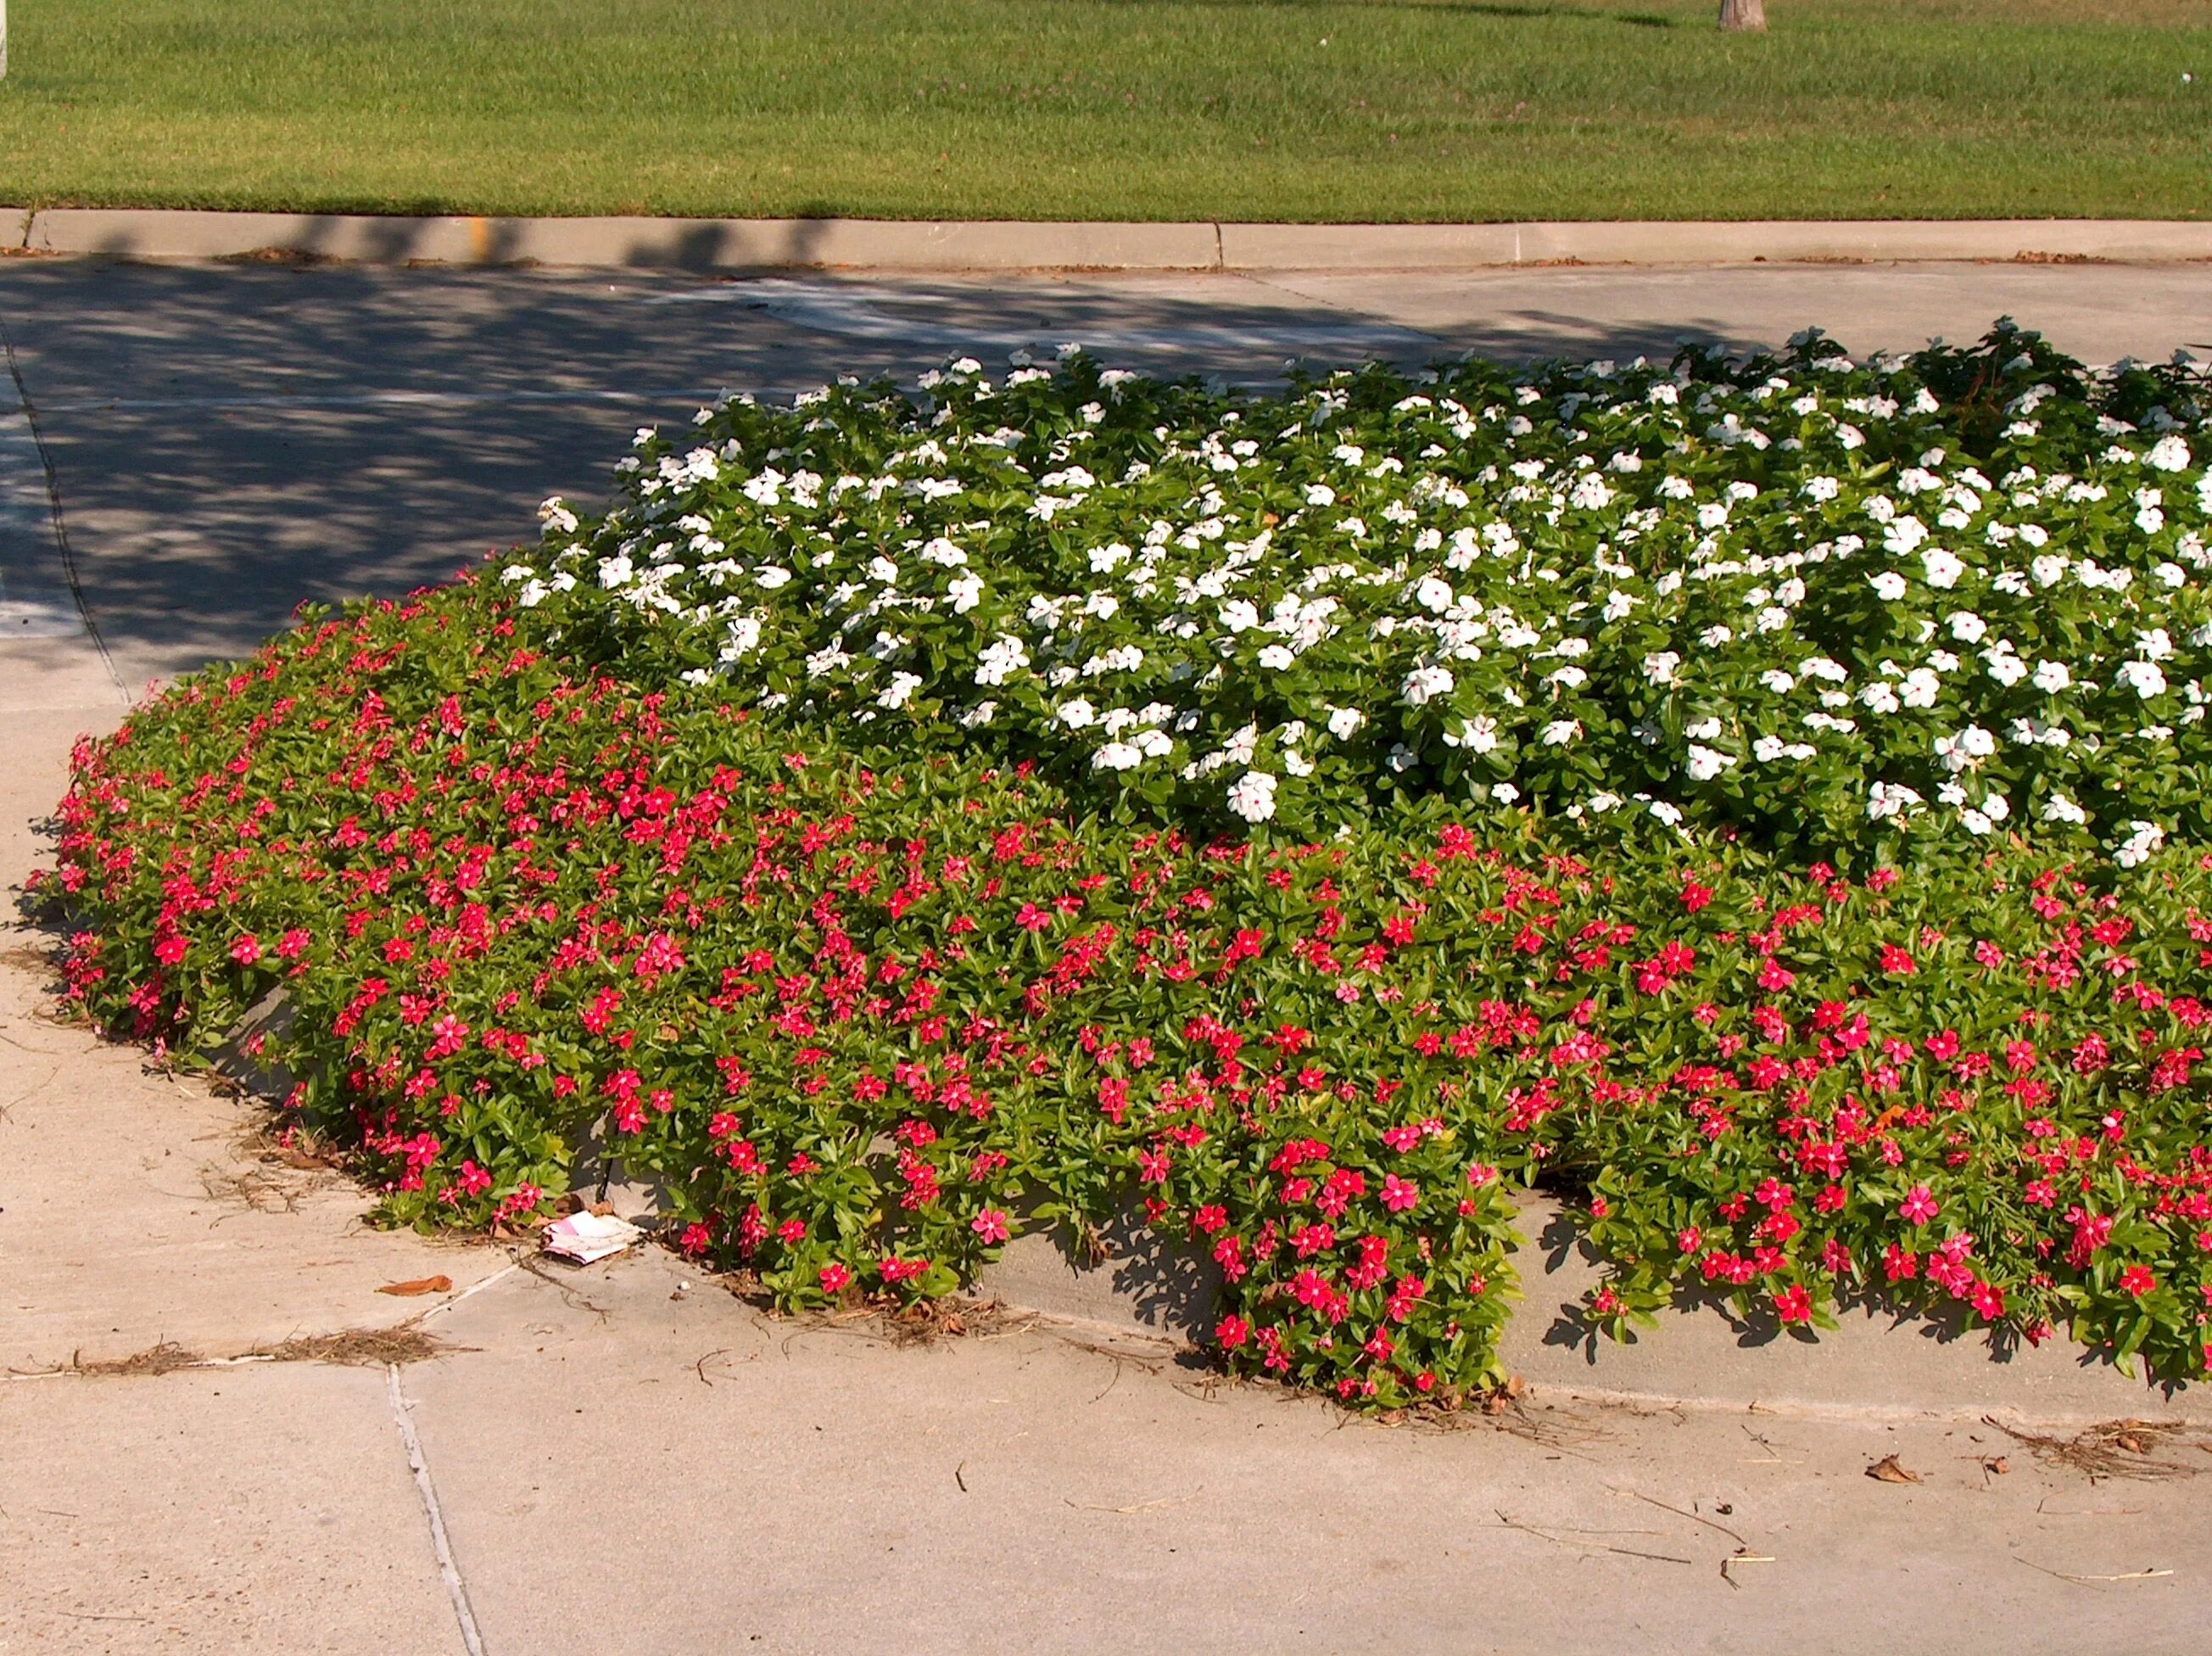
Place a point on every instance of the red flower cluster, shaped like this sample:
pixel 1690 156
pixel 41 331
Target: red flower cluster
pixel 860 1021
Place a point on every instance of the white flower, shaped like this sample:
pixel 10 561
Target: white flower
pixel 2059 809
pixel 1589 493
pixel 1966 749
pixel 1344 722
pixel 1276 658
pixel 1705 764
pixel 2047 569
pixel 1476 735
pixel 1659 668
pixel 1252 796
pixel 1504 793
pixel 1778 680
pixel 1117 756
pixel 1003 659
pixel 2142 677
pixel 616 571
pixel 1424 684
pixel 2142 844
pixel 1889 798
pixel 1943 569
pixel 741 639
pixel 1317 494
pixel 1967 627
pixel 2168 454
pixel 900 690
pixel 1434 594
pixel 1238 616
pixel 1560 732
pixel 2051 677
pixel 1077 714
pixel 967 592
pixel 1888 586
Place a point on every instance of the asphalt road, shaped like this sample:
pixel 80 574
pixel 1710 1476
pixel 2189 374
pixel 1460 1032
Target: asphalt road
pixel 229 440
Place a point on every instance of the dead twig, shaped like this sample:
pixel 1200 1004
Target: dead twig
pixel 2092 1581
pixel 2086 1512
pixel 1161 1505
pixel 1743 1555
pixel 1587 1546
pixel 1683 1512
pixel 569 1296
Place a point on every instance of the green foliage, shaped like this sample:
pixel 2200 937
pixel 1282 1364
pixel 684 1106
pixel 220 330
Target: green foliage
pixel 867 989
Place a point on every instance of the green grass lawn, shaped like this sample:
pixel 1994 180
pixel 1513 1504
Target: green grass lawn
pixel 1151 109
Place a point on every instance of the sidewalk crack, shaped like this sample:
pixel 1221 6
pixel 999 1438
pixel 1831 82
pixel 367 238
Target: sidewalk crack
pixel 456 1589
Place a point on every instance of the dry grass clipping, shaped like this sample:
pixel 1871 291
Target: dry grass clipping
pixel 2125 1448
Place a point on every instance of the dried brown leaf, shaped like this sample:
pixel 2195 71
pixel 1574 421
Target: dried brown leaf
pixel 420 1285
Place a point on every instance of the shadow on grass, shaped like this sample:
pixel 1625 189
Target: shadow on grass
pixel 1498 8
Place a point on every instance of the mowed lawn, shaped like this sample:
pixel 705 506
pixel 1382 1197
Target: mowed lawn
pixel 1422 110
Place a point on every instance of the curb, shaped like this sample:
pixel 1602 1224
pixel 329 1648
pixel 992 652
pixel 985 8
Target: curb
pixel 1872 1365
pixel 736 244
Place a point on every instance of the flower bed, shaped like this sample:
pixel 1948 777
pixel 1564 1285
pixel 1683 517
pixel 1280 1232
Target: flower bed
pixel 687 827
pixel 1792 595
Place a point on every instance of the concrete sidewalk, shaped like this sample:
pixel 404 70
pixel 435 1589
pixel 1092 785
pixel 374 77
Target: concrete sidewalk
pixel 628 1455
pixel 1001 247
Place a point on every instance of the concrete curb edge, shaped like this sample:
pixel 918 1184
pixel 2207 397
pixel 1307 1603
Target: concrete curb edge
pixel 893 246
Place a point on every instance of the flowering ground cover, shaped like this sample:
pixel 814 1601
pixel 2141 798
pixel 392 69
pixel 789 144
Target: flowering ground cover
pixel 1761 800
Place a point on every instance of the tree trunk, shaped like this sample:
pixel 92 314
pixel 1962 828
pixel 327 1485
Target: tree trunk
pixel 1743 15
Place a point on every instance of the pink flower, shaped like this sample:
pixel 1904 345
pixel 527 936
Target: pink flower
pixel 1919 1205
pixel 1794 1305
pixel 246 949
pixel 1400 1194
pixel 1896 962
pixel 990 1224
pixel 835 1277
pixel 2137 1280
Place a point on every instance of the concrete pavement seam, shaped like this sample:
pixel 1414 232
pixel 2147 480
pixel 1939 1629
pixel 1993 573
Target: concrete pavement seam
pixel 54 507
pixel 448 1571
